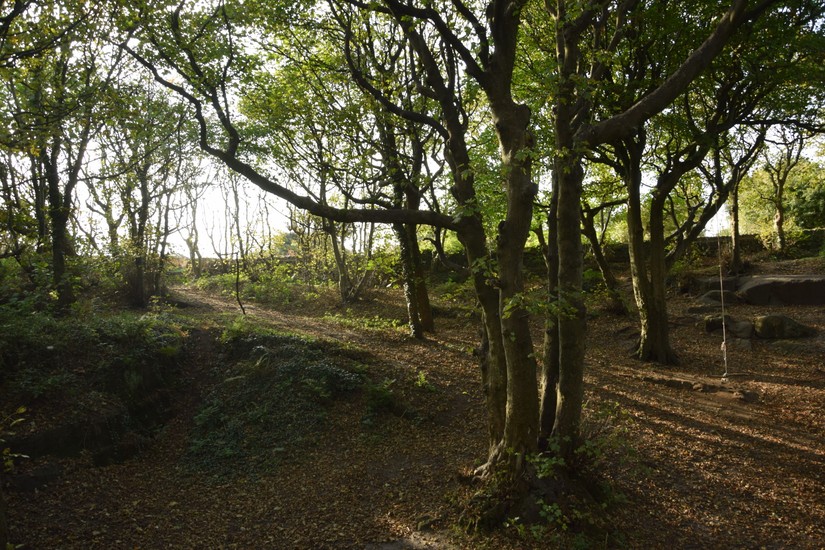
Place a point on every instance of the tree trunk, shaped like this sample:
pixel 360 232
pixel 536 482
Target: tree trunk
pixel 425 310
pixel 736 246
pixel 611 284
pixel 61 242
pixel 345 286
pixel 408 274
pixel 654 342
pixel 648 269
pixel 572 314
pixel 549 376
pixel 521 427
pixel 41 192
pixel 779 223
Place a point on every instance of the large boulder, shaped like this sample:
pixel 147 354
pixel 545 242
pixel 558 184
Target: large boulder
pixel 783 290
pixel 737 329
pixel 715 297
pixel 780 326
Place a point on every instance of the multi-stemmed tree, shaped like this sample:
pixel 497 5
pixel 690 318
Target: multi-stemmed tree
pixel 460 56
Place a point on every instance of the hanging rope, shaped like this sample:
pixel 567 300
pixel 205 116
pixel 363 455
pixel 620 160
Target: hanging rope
pixel 722 299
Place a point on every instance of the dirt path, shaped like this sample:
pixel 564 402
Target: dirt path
pixel 737 467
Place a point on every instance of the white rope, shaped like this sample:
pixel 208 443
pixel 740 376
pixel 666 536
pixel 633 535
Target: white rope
pixel 722 299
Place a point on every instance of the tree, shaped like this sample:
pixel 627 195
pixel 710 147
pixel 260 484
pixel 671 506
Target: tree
pixel 779 160
pixel 460 58
pixel 732 91
pixel 141 158
pixel 55 117
pixel 806 202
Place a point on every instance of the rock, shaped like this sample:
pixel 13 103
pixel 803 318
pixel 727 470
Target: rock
pixel 783 290
pixel 706 308
pixel 737 329
pixel 715 297
pixel 780 326
pixel 741 329
pixel 714 322
pixel 744 344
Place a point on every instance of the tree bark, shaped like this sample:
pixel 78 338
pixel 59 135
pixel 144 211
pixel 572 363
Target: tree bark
pixel 779 221
pixel 549 375
pixel 422 296
pixel 610 282
pixel 736 245
pixel 647 261
pixel 521 429
pixel 654 342
pixel 59 215
pixel 572 314
pixel 408 274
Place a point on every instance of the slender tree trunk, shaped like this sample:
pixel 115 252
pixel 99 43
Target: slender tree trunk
pixel 779 223
pixel 572 315
pixel 345 286
pixel 163 243
pixel 195 259
pixel 491 354
pixel 549 376
pixel 610 282
pixel 61 243
pixel 521 427
pixel 425 310
pixel 736 245
pixel 408 273
pixel 41 193
pixel 655 340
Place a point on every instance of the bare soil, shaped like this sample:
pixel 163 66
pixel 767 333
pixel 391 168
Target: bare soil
pixel 735 463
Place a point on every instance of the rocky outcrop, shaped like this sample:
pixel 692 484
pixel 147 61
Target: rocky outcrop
pixel 782 290
pixel 780 326
pixel 712 297
pixel 769 327
pixel 737 329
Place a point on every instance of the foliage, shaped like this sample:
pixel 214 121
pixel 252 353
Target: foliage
pixel 758 207
pixel 274 399
pixel 349 320
pixel 806 200
pixel 273 287
pixel 7 423
pixel 41 355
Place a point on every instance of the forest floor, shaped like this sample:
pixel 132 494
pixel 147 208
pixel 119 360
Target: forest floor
pixel 738 463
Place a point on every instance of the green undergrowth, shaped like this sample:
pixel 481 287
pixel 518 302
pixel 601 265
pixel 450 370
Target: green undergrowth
pixel 42 356
pixel 275 396
pixel 376 322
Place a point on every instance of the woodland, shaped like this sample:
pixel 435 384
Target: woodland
pixel 420 274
